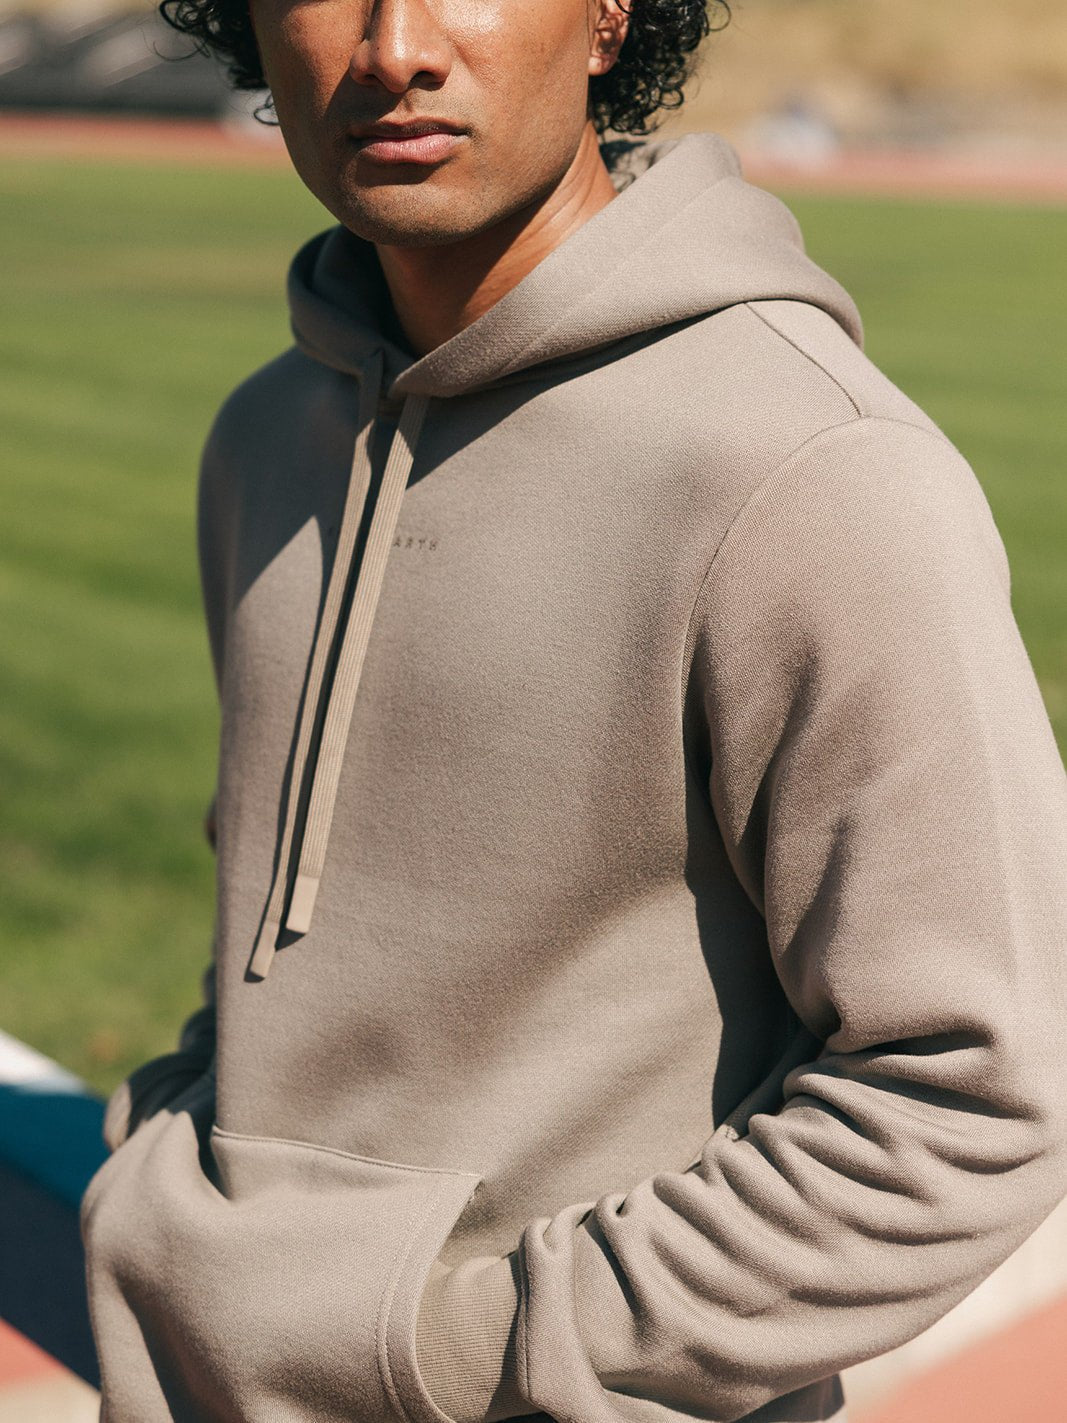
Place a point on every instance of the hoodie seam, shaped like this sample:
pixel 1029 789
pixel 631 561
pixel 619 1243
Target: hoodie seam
pixel 784 336
pixel 338 1151
pixel 689 645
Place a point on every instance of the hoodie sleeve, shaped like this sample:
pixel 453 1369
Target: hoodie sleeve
pixel 888 789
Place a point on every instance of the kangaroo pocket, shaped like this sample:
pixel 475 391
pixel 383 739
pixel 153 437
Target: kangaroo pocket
pixel 248 1279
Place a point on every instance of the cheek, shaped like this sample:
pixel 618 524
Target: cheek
pixel 516 47
pixel 305 49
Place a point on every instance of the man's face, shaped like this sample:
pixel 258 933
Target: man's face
pixel 505 82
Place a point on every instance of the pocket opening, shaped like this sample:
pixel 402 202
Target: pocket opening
pixel 237 1275
pixel 400 1372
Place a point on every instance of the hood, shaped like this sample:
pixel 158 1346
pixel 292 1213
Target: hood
pixel 687 234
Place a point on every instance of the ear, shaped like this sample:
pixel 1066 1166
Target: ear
pixel 610 24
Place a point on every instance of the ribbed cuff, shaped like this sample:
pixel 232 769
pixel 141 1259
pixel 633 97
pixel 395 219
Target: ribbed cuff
pixel 465 1339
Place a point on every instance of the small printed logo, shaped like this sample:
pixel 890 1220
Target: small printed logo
pixel 424 544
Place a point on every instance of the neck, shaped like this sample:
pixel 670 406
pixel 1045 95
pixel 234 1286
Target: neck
pixel 437 291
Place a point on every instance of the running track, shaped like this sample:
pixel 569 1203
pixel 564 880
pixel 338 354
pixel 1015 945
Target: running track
pixel 1014 178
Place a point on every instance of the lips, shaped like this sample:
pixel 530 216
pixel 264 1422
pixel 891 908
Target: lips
pixel 417 141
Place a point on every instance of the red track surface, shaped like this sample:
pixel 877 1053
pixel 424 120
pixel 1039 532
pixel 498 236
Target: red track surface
pixel 1017 1376
pixel 163 140
pixel 905 173
pixel 21 1361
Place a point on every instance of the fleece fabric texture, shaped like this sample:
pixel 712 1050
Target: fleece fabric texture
pixel 674 1011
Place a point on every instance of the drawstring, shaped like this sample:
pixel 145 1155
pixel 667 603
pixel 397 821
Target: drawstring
pixel 350 665
pixel 341 697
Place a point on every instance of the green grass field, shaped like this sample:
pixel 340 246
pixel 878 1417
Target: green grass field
pixel 133 299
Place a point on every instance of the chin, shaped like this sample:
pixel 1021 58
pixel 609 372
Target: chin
pixel 409 216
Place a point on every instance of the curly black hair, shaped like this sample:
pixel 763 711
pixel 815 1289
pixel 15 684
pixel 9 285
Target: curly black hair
pixel 649 75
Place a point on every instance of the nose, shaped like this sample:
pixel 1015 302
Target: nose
pixel 403 47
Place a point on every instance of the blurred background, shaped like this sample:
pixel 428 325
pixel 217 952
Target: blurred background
pixel 148 220
pixel 871 72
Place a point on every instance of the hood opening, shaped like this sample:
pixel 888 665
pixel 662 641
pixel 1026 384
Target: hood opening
pixel 685 237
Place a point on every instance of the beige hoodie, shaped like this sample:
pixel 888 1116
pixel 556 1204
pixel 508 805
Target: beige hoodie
pixel 639 986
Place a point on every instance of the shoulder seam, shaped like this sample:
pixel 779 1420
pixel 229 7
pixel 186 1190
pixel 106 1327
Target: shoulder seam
pixel 689 645
pixel 752 307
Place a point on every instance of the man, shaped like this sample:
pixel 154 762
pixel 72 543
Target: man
pixel 638 989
